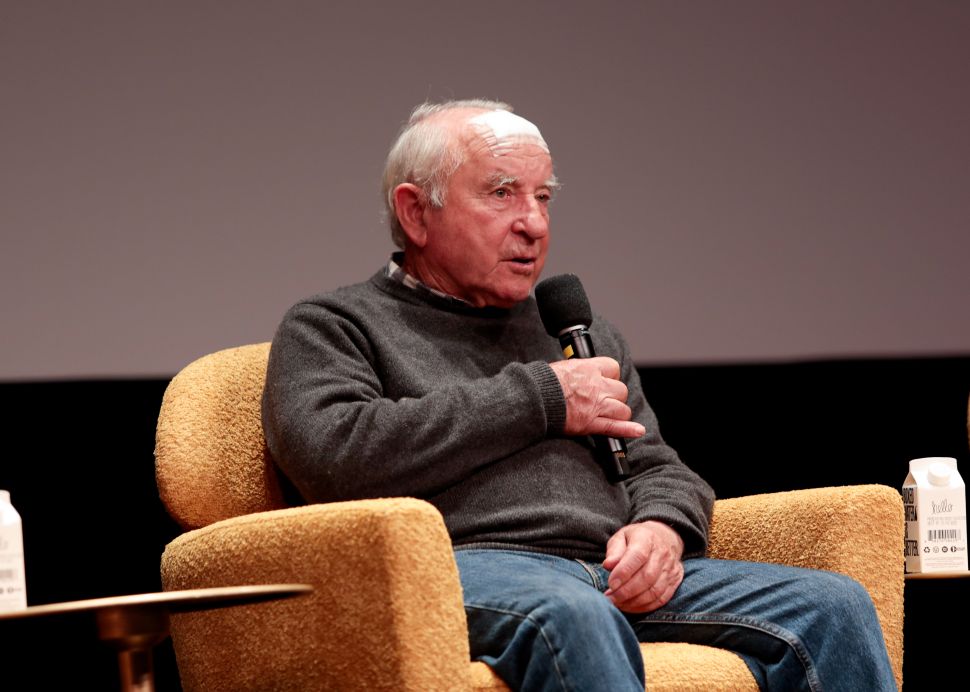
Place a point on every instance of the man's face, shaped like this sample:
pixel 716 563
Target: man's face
pixel 488 244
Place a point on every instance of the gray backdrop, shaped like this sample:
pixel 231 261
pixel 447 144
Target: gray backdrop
pixel 743 180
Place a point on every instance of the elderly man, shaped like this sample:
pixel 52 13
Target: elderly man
pixel 436 379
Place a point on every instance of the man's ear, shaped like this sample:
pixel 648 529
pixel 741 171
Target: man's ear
pixel 410 203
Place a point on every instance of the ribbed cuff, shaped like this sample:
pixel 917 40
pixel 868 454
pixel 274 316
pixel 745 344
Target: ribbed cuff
pixel 553 399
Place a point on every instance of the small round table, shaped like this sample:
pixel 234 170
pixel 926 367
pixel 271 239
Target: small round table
pixel 962 574
pixel 135 624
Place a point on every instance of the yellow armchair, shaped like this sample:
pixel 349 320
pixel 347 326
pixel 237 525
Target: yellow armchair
pixel 386 612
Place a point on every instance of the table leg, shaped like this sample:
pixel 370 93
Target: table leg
pixel 134 632
pixel 136 670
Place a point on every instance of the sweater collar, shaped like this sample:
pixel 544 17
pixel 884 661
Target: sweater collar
pixel 395 271
pixel 393 275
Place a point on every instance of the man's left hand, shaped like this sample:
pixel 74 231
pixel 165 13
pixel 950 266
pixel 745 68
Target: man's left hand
pixel 645 564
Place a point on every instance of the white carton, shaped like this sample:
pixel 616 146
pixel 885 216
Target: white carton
pixel 934 499
pixel 13 585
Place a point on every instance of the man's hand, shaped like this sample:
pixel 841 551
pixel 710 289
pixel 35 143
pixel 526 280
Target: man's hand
pixel 645 565
pixel 595 398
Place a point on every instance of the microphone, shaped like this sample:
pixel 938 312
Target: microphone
pixel 566 315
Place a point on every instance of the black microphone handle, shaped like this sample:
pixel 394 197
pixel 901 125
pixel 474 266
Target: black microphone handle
pixel 576 343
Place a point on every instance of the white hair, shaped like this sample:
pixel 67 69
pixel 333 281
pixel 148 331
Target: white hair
pixel 425 154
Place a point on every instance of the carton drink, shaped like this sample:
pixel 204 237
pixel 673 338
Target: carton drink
pixel 934 500
pixel 13 584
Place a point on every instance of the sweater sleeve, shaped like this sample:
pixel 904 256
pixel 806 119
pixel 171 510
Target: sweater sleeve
pixel 335 432
pixel 661 486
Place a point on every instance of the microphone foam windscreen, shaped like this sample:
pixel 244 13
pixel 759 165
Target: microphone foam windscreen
pixel 562 303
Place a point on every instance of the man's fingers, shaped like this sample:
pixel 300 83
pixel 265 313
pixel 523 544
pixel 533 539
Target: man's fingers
pixel 652 598
pixel 647 601
pixel 635 557
pixel 589 376
pixel 608 367
pixel 649 578
pixel 614 550
pixel 595 398
pixel 648 571
pixel 616 428
pixel 650 588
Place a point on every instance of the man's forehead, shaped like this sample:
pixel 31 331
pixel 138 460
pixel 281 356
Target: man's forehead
pixel 500 130
pixel 503 125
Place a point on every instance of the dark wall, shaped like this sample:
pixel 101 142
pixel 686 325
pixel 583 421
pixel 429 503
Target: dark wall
pixel 78 460
pixel 763 428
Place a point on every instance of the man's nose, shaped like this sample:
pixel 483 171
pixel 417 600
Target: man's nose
pixel 532 219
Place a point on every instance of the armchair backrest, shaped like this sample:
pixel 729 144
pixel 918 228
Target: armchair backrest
pixel 211 461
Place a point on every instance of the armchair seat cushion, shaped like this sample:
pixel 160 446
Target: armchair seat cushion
pixel 668 668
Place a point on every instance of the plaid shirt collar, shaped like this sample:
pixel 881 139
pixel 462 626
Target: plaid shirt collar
pixel 396 272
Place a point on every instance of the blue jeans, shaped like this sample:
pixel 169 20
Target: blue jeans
pixel 542 623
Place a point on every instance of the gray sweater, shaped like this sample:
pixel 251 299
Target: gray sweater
pixel 380 390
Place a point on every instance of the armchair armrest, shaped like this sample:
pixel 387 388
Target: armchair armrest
pixel 386 611
pixel 854 530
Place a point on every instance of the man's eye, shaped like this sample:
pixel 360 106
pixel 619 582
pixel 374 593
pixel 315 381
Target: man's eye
pixel 502 193
pixel 544 197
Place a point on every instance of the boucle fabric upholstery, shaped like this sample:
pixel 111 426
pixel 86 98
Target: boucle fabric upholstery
pixel 668 667
pixel 386 612
pixel 855 530
pixel 213 460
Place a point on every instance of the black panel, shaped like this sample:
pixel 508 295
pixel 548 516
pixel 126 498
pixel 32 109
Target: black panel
pixel 78 460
